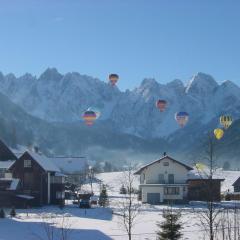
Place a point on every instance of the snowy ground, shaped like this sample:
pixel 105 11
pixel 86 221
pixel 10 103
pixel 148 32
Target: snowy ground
pixel 98 223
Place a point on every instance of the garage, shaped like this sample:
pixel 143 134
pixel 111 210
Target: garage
pixel 153 198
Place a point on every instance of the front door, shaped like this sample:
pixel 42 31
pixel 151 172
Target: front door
pixel 153 198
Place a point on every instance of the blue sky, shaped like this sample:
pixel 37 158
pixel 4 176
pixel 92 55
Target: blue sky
pixel 164 39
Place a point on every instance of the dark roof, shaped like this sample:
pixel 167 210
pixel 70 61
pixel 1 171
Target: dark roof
pixel 165 157
pixel 237 182
pixel 45 163
pixel 6 153
pixel 206 179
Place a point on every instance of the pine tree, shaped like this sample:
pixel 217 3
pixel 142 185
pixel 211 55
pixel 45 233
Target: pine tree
pixel 170 228
pixel 123 190
pixel 13 212
pixel 2 213
pixel 103 198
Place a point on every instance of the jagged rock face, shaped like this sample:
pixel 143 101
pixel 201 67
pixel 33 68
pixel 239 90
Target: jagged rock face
pixel 62 98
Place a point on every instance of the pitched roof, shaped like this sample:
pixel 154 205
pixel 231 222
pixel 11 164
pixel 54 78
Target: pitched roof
pixel 6 152
pixel 70 165
pixel 43 161
pixel 237 182
pixel 161 159
pixel 6 164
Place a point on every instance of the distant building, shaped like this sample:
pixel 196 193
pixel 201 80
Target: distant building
pixel 164 180
pixel 75 168
pixel 236 185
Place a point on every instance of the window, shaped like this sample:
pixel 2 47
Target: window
pixel 60 195
pixel 171 190
pixel 27 163
pixel 161 178
pixel 165 164
pixel 57 179
pixel 171 178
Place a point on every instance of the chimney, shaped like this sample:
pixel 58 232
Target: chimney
pixel 35 149
pixel 164 154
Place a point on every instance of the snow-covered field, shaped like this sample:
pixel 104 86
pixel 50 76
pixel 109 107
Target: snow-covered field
pixel 99 223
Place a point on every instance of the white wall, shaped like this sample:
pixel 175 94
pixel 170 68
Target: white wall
pixel 152 172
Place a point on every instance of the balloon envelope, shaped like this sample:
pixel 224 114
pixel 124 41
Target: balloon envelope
pixel 97 111
pixel 182 118
pixel 200 166
pixel 113 78
pixel 89 117
pixel 161 104
pixel 226 121
pixel 218 133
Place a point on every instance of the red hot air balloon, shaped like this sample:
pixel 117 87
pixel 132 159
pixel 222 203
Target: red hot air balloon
pixel 182 118
pixel 113 78
pixel 89 117
pixel 161 105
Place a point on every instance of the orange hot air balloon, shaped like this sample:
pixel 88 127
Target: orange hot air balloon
pixel 113 79
pixel 89 117
pixel 161 105
pixel 218 132
pixel 182 118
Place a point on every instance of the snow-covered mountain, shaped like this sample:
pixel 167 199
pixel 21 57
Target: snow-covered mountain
pixel 62 98
pixel 47 111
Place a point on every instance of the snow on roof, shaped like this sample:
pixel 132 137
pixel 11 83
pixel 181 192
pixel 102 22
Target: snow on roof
pixel 25 196
pixel 6 164
pixel 163 158
pixel 44 162
pixel 14 184
pixel 70 165
pixel 19 150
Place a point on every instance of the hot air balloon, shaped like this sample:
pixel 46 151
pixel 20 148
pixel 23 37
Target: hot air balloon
pixel 161 105
pixel 113 78
pixel 182 118
pixel 200 166
pixel 226 121
pixel 97 111
pixel 218 132
pixel 89 117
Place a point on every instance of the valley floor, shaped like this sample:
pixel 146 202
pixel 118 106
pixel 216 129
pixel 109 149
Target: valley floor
pixel 96 223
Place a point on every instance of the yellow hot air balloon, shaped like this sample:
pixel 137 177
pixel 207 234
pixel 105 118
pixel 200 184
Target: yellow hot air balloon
pixel 200 166
pixel 226 121
pixel 218 132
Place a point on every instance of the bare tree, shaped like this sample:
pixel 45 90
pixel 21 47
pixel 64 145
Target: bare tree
pixel 209 219
pixel 128 204
pixel 52 230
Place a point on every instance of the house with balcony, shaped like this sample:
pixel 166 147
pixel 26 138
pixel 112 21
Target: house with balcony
pixel 164 180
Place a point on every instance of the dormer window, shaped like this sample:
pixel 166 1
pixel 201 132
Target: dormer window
pixel 27 163
pixel 165 164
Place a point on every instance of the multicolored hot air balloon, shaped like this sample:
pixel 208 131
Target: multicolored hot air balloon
pixel 161 104
pixel 113 78
pixel 182 118
pixel 89 117
pixel 226 121
pixel 97 111
pixel 218 132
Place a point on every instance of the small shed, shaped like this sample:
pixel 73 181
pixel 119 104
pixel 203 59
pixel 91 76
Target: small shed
pixel 236 185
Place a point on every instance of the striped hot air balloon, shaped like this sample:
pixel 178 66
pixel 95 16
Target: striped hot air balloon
pixel 182 118
pixel 97 111
pixel 226 121
pixel 113 79
pixel 161 104
pixel 89 117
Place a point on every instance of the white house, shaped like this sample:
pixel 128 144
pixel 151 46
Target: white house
pixel 164 180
